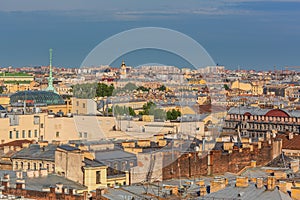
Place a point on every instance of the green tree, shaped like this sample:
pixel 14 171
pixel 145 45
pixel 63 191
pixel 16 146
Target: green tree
pixel 103 90
pixel 226 87
pixel 162 88
pixel 1 89
pixel 144 89
pixel 131 111
pixel 173 114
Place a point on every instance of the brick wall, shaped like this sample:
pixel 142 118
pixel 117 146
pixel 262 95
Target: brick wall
pixel 187 165
pixel 40 195
pixel 219 162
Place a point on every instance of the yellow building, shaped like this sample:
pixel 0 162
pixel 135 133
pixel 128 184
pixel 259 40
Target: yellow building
pixel 15 127
pixel 255 88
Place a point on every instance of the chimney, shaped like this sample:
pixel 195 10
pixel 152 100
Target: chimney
pixel 6 177
pixel 19 174
pixel 201 182
pixel 271 183
pixel 36 173
pixel 253 163
pixel 291 135
pixel 294 165
pixel 259 183
pixel 30 174
pixel 25 145
pixel 43 172
pixel 20 184
pixel 6 149
pixel 43 144
pixel 52 189
pixel 70 191
pixel 295 193
pixel 202 190
pixel 241 181
pixel 59 187
pixel 217 184
pixel 282 186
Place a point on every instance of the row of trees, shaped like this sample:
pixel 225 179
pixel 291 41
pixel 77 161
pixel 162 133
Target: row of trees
pixel 91 90
pixel 148 109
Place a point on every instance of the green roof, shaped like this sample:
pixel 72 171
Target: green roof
pixel 15 74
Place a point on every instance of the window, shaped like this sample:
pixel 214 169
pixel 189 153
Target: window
pixel 29 133
pixel 80 134
pixel 85 134
pixel 28 166
pixel 83 105
pixel 36 120
pixel 77 103
pixel 17 134
pixel 57 134
pixel 124 166
pixel 16 165
pixel 23 134
pixel 42 125
pixel 35 133
pixel 34 166
pixel 41 165
pixel 10 135
pixel 98 177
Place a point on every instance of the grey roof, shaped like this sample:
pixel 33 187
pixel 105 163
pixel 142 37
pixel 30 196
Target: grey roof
pixel 92 163
pixel 35 152
pixel 113 154
pixel 2 108
pixel 260 111
pixel 247 193
pixel 68 147
pixel 119 194
pixel 39 183
pixel 252 110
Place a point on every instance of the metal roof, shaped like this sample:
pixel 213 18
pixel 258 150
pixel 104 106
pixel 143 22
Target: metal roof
pixel 247 193
pixel 113 154
pixel 38 183
pixel 35 152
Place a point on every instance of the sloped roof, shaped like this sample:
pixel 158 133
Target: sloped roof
pixel 35 152
pixel 248 193
pixel 287 143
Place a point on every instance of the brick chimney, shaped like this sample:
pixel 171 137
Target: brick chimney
pixel 241 181
pixel 253 163
pixel 259 183
pixel 203 190
pixel 295 193
pixel 19 174
pixel 59 187
pixel 282 186
pixel 290 135
pixel 271 183
pixel 20 183
pixel 294 165
pixel 217 184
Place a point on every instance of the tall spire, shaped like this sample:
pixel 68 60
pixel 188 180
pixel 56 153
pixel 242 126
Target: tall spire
pixel 50 79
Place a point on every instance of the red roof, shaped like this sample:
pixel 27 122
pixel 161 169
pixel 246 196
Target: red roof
pixel 16 143
pixel 293 144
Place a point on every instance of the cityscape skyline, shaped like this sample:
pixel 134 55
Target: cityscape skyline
pixel 250 34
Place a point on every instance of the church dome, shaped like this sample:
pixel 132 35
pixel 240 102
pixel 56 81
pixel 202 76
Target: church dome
pixel 37 97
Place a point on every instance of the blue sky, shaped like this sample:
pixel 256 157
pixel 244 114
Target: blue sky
pixel 247 33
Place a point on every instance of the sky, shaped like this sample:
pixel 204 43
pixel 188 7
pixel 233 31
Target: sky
pixel 250 34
